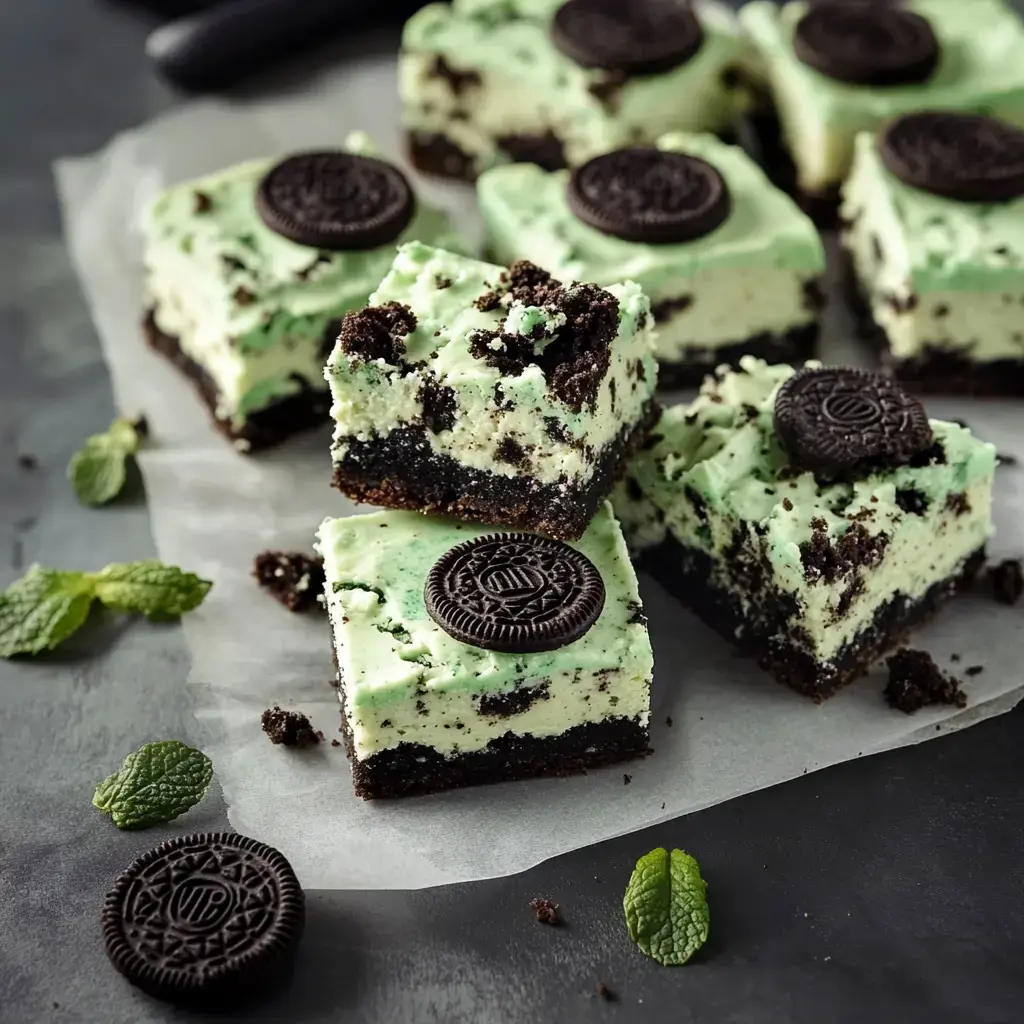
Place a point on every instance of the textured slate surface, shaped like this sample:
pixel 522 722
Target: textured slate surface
pixel 882 890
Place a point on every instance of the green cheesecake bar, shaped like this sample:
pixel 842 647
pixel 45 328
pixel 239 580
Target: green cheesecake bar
pixel 423 711
pixel 815 575
pixel 938 280
pixel 978 65
pixel 486 82
pixel 248 314
pixel 493 395
pixel 750 286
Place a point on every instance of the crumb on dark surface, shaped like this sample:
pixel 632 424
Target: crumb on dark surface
pixel 289 728
pixel 1006 580
pixel 335 743
pixel 915 681
pixel 974 670
pixel 28 462
pixel 604 992
pixel 1005 459
pixel 294 579
pixel 668 721
pixel 545 910
pixel 626 779
pixel 954 656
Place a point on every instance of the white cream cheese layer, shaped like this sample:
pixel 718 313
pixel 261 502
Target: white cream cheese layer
pixel 403 679
pixel 506 78
pixel 560 444
pixel 247 305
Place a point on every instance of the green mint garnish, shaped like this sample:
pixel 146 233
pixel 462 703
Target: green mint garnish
pixel 666 906
pixel 46 606
pixel 98 470
pixel 154 784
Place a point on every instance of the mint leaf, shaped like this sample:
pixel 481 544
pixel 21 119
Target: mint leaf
pixel 150 588
pixel 98 470
pixel 666 906
pixel 42 609
pixel 154 784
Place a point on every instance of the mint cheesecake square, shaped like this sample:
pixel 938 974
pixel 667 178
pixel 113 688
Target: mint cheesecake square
pixel 811 517
pixel 749 284
pixel 494 395
pixel 834 70
pixel 487 82
pixel 935 251
pixel 249 271
pixel 468 656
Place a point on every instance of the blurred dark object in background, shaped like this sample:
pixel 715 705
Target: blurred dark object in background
pixel 215 44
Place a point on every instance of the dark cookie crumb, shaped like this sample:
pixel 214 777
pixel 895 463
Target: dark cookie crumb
pixel 201 202
pixel 668 721
pixel 511 451
pixel 515 702
pixel 1004 459
pixel 28 462
pixel 290 728
pixel 916 681
pixel 141 425
pixel 1006 580
pixel 826 560
pixel 439 405
pixel 335 743
pixel 913 501
pixel 377 332
pixel 636 614
pixel 974 670
pixel 605 993
pixel 442 282
pixel 626 779
pixel 787 504
pixel 954 656
pixel 546 910
pixel 958 503
pixel 294 579
pixel 488 301
pixel 243 296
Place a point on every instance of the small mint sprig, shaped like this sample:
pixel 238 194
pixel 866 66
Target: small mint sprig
pixel 98 470
pixel 155 784
pixel 46 606
pixel 666 906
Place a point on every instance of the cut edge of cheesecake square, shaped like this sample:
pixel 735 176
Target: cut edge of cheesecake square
pixel 423 712
pixel 937 285
pixel 815 580
pixel 751 286
pixel 491 395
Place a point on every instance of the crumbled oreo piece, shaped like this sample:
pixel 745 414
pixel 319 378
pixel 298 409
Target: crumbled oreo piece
pixel 514 592
pixel 28 462
pixel 640 37
pixel 867 44
pixel 205 920
pixel 335 200
pixel 841 422
pixel 201 202
pixel 377 332
pixel 604 992
pixel 1006 580
pixel 545 909
pixel 967 157
pixel 648 195
pixel 289 728
pixel 440 405
pixel 915 681
pixel 294 579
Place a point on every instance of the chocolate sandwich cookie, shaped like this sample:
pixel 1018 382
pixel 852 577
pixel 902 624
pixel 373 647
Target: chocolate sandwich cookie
pixel 335 200
pixel 867 43
pixel 969 157
pixel 514 592
pixel 638 37
pixel 205 918
pixel 649 195
pixel 841 422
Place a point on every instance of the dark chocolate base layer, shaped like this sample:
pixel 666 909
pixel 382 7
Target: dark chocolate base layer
pixel 793 346
pixel 937 370
pixel 762 632
pixel 402 470
pixel 265 427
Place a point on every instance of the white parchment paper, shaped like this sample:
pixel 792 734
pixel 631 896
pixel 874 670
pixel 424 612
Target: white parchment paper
pixel 733 730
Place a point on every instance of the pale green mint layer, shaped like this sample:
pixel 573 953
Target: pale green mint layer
pixel 441 289
pixel 943 244
pixel 981 68
pixel 242 293
pixel 527 86
pixel 388 647
pixel 723 447
pixel 526 215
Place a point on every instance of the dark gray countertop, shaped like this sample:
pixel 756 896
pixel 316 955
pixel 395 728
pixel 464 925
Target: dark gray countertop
pixel 885 890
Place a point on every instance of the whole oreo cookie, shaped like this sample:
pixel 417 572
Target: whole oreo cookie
pixel 204 918
pixel 514 592
pixel 649 195
pixel 867 43
pixel 839 421
pixel 640 37
pixel 335 200
pixel 968 157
